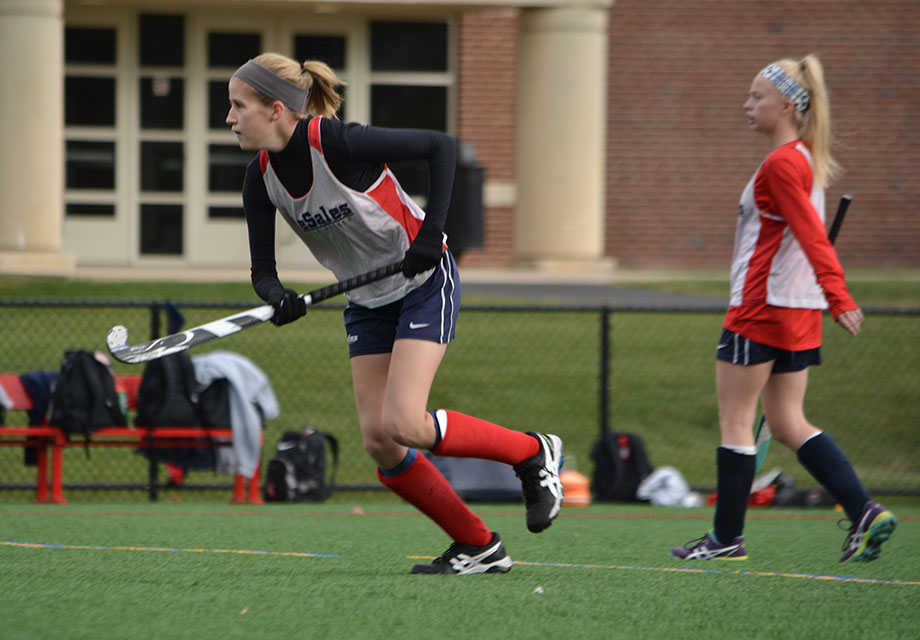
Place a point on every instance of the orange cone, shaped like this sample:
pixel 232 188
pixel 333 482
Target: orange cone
pixel 577 489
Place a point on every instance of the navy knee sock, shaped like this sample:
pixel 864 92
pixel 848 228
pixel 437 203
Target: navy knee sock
pixel 827 463
pixel 735 476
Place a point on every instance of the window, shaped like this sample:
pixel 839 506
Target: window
pixel 226 161
pixel 90 164
pixel 409 46
pixel 89 46
pixel 161 229
pixel 162 102
pixel 162 40
pixel 417 107
pixel 90 116
pixel 93 209
pixel 409 85
pixel 226 213
pixel 147 147
pixel 329 49
pixel 231 50
pixel 161 166
pixel 89 101
pixel 227 167
pixel 218 104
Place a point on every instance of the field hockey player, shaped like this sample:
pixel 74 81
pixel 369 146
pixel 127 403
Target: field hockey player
pixel 784 273
pixel 330 182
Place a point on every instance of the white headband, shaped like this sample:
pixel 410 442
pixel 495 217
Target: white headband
pixel 787 86
pixel 274 86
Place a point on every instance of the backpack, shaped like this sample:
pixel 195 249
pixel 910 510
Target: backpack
pixel 297 473
pixel 620 466
pixel 168 393
pixel 84 397
pixel 169 396
pixel 214 404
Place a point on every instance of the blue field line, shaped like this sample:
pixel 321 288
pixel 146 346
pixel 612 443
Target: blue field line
pixel 93 547
pixel 741 572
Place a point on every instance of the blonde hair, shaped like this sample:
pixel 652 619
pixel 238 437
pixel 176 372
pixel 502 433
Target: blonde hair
pixel 814 126
pixel 313 75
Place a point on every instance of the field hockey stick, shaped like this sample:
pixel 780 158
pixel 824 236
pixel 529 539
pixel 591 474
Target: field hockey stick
pixel 762 435
pixel 117 338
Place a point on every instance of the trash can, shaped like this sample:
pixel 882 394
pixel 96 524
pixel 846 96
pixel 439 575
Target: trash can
pixel 464 216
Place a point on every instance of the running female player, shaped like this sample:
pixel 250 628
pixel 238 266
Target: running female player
pixel 784 272
pixel 330 182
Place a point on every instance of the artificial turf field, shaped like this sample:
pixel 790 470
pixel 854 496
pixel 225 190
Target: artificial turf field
pixel 213 570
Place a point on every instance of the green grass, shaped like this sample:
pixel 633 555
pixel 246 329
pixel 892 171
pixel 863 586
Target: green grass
pixel 182 569
pixel 186 571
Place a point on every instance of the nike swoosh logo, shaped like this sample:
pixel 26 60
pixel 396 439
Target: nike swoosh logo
pixel 721 346
pixel 284 446
pixel 418 325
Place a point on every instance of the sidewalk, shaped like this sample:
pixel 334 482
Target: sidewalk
pixel 613 287
pixel 481 275
pixel 512 284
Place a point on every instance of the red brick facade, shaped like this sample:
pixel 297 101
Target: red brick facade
pixel 679 151
pixel 486 117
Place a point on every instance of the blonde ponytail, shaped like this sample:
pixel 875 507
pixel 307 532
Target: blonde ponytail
pixel 814 126
pixel 313 75
pixel 324 100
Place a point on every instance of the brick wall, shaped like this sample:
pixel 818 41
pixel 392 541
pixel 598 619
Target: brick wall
pixel 679 149
pixel 486 116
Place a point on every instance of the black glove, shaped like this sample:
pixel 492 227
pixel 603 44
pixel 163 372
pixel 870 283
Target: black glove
pixel 424 253
pixel 288 306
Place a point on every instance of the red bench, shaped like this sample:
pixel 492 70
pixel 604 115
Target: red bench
pixel 50 437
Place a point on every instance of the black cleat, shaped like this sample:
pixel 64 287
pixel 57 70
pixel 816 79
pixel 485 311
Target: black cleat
pixel 540 482
pixel 465 558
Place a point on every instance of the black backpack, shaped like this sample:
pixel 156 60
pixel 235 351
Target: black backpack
pixel 84 397
pixel 214 405
pixel 297 473
pixel 168 393
pixel 620 465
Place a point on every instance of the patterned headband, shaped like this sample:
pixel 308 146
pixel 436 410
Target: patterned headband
pixel 274 86
pixel 787 86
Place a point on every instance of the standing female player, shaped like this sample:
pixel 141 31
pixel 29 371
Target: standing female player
pixel 782 263
pixel 330 183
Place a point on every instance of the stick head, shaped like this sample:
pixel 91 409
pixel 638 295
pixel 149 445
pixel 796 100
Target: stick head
pixel 117 338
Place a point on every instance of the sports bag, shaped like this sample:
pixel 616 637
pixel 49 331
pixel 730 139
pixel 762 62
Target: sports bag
pixel 620 466
pixel 298 472
pixel 169 396
pixel 84 397
pixel 168 393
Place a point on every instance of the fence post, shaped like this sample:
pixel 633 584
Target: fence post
pixel 155 319
pixel 605 371
pixel 153 481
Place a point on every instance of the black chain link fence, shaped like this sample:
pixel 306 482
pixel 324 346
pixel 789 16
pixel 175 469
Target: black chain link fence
pixel 573 371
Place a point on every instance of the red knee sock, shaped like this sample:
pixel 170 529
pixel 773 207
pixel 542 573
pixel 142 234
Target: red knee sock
pixel 463 436
pixel 420 484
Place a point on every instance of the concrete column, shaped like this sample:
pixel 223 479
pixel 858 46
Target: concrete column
pixel 31 127
pixel 560 149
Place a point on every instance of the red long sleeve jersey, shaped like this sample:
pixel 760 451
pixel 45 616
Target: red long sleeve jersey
pixel 784 269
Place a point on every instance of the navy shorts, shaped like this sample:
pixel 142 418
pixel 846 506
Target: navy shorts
pixel 737 349
pixel 426 313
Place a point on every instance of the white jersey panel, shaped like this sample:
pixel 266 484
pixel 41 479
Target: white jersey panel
pixel 349 232
pixel 790 278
